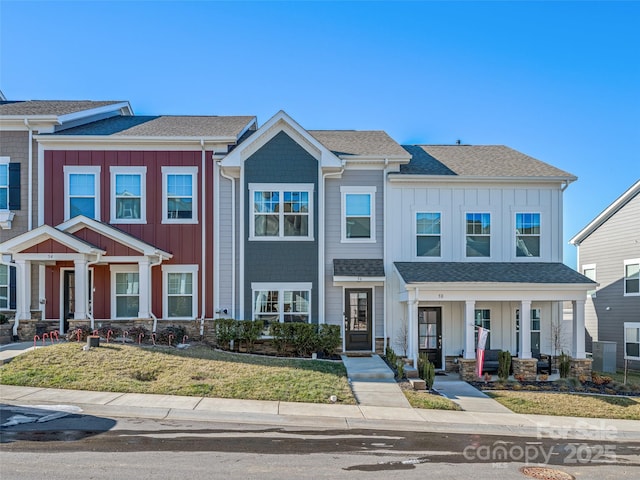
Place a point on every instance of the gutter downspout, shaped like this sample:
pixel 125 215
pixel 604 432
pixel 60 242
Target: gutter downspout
pixel 16 320
pixel 155 319
pixel 384 253
pixel 203 222
pixel 30 186
pixel 233 242
pixel 321 241
pixel 90 310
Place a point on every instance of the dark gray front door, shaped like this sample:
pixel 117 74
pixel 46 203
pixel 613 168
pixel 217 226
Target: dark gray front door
pixel 357 327
pixel 430 333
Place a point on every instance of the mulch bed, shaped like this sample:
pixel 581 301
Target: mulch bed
pixel 551 387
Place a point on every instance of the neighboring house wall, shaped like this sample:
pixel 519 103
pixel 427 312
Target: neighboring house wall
pixel 607 248
pixel 280 161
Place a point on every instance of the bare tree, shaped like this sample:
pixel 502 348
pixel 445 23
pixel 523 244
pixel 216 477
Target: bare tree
pixel 402 339
pixel 557 341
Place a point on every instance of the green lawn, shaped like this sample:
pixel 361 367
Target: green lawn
pixel 197 371
pixel 424 399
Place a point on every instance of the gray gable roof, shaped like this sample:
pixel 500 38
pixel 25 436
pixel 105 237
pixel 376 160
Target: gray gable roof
pixel 359 142
pixel 50 107
pixel 476 161
pixel 164 126
pixel 347 267
pixel 483 272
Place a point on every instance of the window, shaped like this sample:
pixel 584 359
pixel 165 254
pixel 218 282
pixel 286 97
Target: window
pixel 4 186
pixel 179 194
pixel 632 277
pixel 527 234
pixel 358 218
pixel 181 291
pixel 281 211
pixel 483 319
pixel 284 303
pixel 589 271
pixel 478 235
pixel 128 195
pixel 4 287
pixel 534 328
pixel 428 234
pixel 82 191
pixel 125 281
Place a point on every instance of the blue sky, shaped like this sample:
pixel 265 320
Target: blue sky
pixel 559 81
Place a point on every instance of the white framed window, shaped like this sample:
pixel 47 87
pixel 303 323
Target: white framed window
pixel 128 194
pixel 527 234
pixel 281 302
pixel 180 287
pixel 125 285
pixel 82 191
pixel 534 329
pixel 428 234
pixel 589 271
pixel 358 214
pixel 4 287
pixel 4 183
pixel 281 211
pixel 632 277
pixel 478 234
pixel 179 194
pixel 483 319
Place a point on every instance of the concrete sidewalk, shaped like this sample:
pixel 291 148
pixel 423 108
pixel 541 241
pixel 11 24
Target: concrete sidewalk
pixel 468 397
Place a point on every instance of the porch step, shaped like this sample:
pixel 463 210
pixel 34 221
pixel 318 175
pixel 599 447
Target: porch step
pixel 418 384
pixel 411 372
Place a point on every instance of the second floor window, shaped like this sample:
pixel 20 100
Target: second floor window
pixel 428 234
pixel 527 234
pixel 128 203
pixel 4 186
pixel 179 194
pixel 632 277
pixel 82 191
pixel 358 214
pixel 478 235
pixel 281 212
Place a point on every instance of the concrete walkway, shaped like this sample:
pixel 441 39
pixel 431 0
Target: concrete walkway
pixel 469 398
pixel 11 350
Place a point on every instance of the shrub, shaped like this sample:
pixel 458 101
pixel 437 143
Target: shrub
pixel 305 338
pixel 429 374
pixel 135 332
pixel 279 337
pixel 504 365
pixel 329 339
pixel 400 368
pixel 72 335
pixel 564 365
pixel 226 331
pixel 178 332
pixel 391 357
pixel 248 331
pixel 115 332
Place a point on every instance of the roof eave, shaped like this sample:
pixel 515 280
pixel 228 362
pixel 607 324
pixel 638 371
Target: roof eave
pixel 402 177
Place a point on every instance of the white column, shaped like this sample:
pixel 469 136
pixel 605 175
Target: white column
pixel 577 344
pixel 413 331
pixel 469 329
pixel 81 289
pixel 23 290
pixel 144 287
pixel 525 329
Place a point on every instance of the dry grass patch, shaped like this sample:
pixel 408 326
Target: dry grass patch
pixel 424 399
pixel 571 405
pixel 197 371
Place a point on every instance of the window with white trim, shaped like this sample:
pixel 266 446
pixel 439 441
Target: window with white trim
pixel 534 329
pixel 4 287
pixel 82 191
pixel 281 211
pixel 478 230
pixel 180 287
pixel 358 214
pixel 589 271
pixel 483 319
pixel 179 194
pixel 4 184
pixel 125 283
pixel 284 303
pixel 527 234
pixel 632 277
pixel 427 234
pixel 128 195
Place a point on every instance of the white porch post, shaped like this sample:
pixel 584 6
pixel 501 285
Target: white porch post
pixel 81 289
pixel 23 289
pixel 469 329
pixel 412 318
pixel 577 346
pixel 144 287
pixel 525 329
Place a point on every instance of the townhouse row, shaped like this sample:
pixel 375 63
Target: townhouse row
pixel 172 219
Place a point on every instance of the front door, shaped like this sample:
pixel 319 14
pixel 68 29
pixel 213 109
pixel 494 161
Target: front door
pixel 357 323
pixel 69 297
pixel 430 334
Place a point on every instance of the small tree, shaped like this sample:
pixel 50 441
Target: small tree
pixel 402 339
pixel 557 341
pixel 429 374
pixel 504 365
pixel 564 366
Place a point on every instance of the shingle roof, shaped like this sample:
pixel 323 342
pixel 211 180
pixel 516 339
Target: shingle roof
pixel 476 161
pixel 348 267
pixel 359 142
pixel 50 107
pixel 164 126
pixel 481 272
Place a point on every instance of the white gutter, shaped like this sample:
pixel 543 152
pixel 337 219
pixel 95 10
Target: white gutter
pixel 321 223
pixel 90 312
pixel 384 255
pixel 30 169
pixel 155 319
pixel 203 229
pixel 233 242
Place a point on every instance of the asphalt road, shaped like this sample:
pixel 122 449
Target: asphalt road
pixel 36 445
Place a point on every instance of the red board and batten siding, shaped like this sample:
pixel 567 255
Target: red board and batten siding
pixel 183 241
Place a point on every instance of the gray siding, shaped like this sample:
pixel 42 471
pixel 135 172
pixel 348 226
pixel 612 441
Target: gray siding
pixel 281 160
pixel 227 261
pixel 615 241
